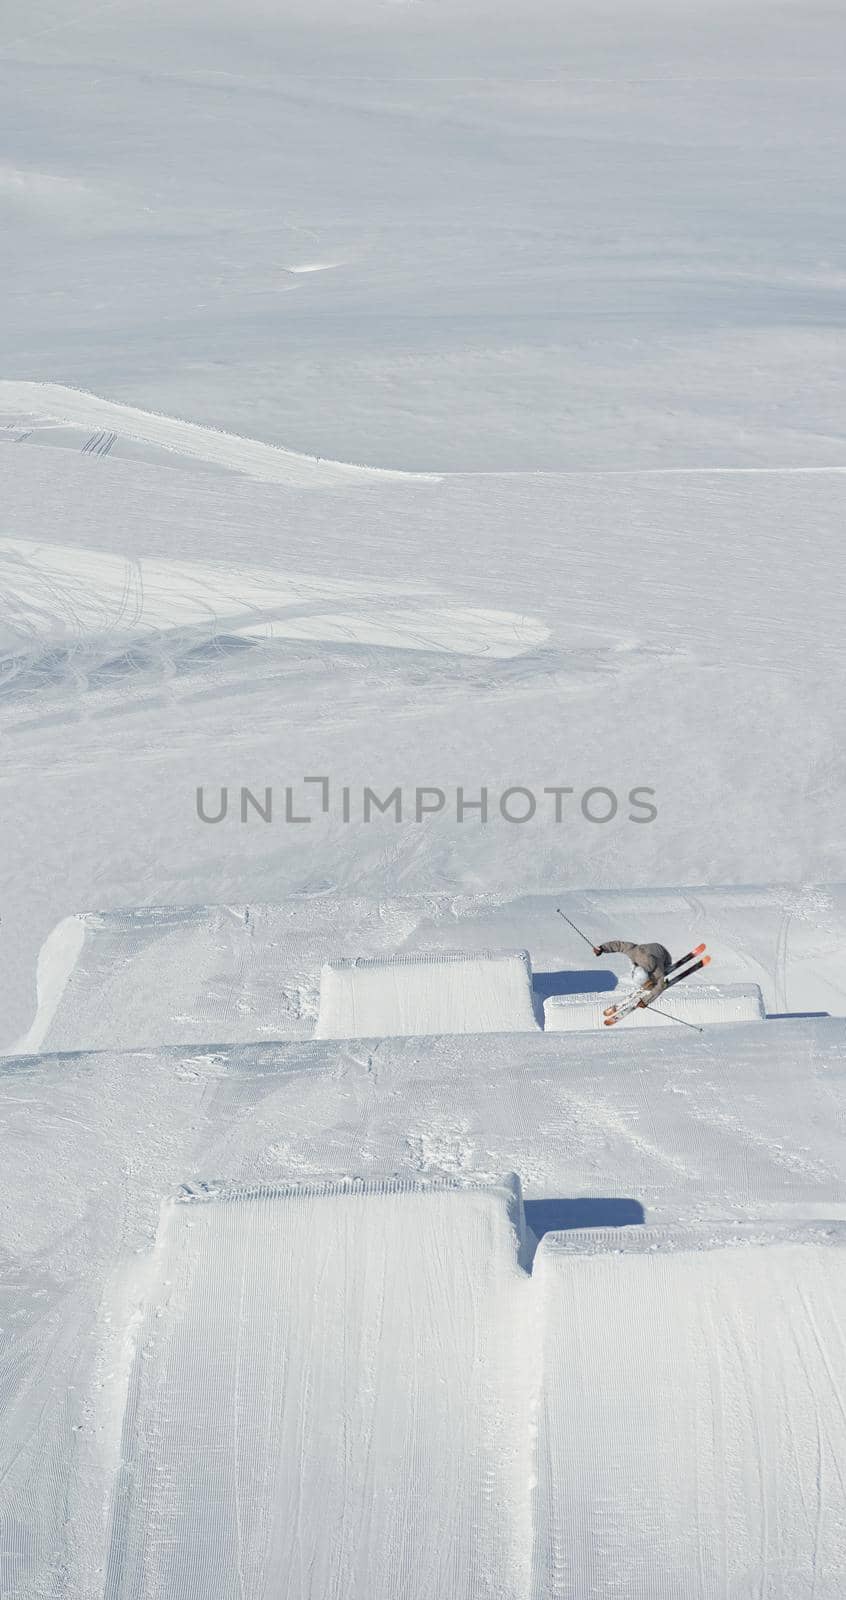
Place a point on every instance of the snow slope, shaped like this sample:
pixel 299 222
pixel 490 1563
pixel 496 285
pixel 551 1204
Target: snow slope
pixel 164 630
pixel 91 606
pixel 184 975
pixel 27 407
pixel 330 1390
pixel 673 1359
pixel 739 1125
pixel 398 396
pixel 602 237
pixel 572 280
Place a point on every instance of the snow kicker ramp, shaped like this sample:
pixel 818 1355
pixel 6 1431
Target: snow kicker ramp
pixel 329 1398
pixel 692 1430
pixel 697 1004
pixel 483 991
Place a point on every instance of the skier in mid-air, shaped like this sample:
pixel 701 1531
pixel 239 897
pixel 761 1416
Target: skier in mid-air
pixel 654 970
pixel 650 963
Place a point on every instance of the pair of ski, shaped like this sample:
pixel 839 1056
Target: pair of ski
pixel 640 996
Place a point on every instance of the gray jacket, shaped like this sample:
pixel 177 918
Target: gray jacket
pixel 653 958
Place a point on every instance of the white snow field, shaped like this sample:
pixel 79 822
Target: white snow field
pixel 163 975
pixel 96 426
pixel 105 1313
pixel 330 1394
pixel 417 394
pixel 422 493
pixel 445 991
pixel 677 1357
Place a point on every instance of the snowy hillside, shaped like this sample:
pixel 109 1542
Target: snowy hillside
pixel 573 280
pixel 332 1368
pixel 422 493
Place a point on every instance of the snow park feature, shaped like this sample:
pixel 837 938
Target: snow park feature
pixel 675 1356
pixel 360 1291
pixel 422 575
pixel 486 991
pixel 696 1004
pixel 370 1340
pixel 168 975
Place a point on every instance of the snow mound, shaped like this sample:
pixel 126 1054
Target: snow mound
pixel 167 974
pixel 697 1004
pixel 88 623
pixel 441 991
pixel 38 403
pixel 750 1125
pixel 673 1359
pixel 442 630
pixel 328 1396
pixel 58 960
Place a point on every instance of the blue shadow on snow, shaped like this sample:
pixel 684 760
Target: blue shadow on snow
pixel 554 1216
pixel 592 982
pixel 794 1016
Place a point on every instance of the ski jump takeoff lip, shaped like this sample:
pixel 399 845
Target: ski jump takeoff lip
pixel 318 796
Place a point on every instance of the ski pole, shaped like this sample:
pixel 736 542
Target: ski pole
pixel 575 929
pixel 684 1024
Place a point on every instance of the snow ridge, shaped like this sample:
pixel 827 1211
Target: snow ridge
pixel 56 402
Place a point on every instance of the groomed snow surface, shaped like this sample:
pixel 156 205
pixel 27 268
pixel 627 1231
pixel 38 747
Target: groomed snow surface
pixel 692 1003
pixel 701 1374
pixel 440 991
pixel 502 1314
pixel 426 964
pixel 331 1396
pixel 375 1351
pixel 421 394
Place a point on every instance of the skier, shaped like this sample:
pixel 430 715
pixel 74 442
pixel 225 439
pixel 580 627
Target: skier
pixel 650 962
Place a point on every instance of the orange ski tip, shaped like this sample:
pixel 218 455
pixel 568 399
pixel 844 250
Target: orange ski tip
pixel 699 949
pixel 705 960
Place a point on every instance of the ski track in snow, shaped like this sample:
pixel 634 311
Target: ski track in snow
pixel 95 625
